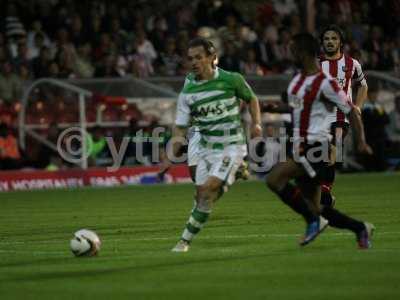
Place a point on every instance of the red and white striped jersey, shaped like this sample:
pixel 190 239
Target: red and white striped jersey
pixel 344 70
pixel 313 99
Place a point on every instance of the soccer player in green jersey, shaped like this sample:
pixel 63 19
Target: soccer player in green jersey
pixel 210 100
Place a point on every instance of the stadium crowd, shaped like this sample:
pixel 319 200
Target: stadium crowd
pixel 84 39
pixel 91 39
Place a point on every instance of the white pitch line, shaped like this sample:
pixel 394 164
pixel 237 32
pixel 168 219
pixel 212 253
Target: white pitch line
pixel 272 235
pixel 239 236
pixel 222 250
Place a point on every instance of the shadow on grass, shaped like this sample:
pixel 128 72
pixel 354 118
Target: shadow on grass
pixel 35 262
pixel 99 272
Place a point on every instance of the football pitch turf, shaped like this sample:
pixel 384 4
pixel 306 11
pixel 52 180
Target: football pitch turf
pixel 248 249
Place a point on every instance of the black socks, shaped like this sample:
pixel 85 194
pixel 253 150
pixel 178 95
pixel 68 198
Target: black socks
pixel 291 196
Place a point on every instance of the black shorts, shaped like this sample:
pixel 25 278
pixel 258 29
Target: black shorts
pixel 314 159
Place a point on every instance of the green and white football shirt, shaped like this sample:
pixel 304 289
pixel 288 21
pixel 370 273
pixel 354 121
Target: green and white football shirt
pixel 214 107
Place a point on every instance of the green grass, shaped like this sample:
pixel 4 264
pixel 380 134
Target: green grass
pixel 248 249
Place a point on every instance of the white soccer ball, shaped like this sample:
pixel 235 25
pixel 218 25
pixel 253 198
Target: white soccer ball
pixel 85 243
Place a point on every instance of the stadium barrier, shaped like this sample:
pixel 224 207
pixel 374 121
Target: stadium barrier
pixel 154 96
pixel 100 177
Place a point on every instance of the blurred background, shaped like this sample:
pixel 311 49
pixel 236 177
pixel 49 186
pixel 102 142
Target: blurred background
pixel 116 67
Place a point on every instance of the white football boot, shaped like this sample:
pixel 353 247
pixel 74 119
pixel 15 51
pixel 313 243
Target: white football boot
pixel 181 246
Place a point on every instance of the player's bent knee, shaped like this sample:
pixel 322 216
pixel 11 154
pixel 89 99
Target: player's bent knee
pixel 275 180
pixel 213 184
pixel 327 200
pixel 204 205
pixel 270 182
pixel 204 193
pixel 200 191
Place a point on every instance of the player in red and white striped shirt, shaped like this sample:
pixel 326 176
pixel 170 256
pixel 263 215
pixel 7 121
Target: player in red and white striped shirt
pixel 346 70
pixel 312 96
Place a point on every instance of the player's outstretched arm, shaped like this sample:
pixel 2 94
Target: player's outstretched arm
pixel 335 95
pixel 174 146
pixel 358 127
pixel 362 93
pixel 254 108
pixel 244 92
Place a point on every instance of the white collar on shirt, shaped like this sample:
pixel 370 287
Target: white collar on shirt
pixel 216 74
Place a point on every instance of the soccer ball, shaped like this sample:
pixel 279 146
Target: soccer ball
pixel 85 243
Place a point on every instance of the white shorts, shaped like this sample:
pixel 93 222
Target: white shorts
pixel 222 164
pixel 193 148
pixel 332 117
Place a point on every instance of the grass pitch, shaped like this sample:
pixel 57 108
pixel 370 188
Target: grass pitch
pixel 248 249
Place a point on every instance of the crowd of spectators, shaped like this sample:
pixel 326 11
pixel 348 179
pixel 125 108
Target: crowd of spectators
pixel 91 39
pixel 85 39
